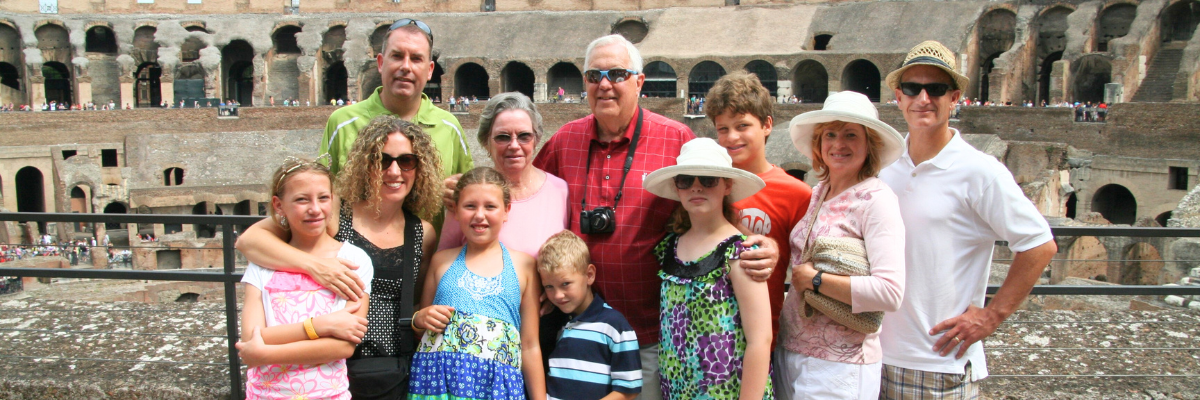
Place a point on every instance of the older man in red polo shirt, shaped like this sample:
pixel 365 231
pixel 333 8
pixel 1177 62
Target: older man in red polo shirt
pixel 604 157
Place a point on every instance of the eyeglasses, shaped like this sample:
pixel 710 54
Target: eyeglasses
pixel 409 21
pixel 408 162
pixel 613 75
pixel 686 181
pixel 505 139
pixel 914 89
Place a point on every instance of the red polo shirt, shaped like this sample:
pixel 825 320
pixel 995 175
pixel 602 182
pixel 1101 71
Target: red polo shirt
pixel 626 270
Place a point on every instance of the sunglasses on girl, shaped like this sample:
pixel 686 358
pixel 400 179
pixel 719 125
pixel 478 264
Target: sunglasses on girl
pixel 914 89
pixel 409 21
pixel 407 162
pixel 686 181
pixel 613 75
pixel 504 139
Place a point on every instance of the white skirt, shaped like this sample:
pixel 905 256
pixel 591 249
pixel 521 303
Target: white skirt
pixel 798 376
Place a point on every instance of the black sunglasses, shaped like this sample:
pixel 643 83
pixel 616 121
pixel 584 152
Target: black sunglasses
pixel 407 162
pixel 686 181
pixel 505 139
pixel 409 21
pixel 613 75
pixel 914 89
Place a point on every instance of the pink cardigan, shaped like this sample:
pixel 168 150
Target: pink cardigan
pixel 868 211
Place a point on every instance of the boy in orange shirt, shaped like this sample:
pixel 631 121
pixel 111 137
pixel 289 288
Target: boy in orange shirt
pixel 741 109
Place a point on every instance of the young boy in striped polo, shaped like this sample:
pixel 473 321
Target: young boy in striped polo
pixel 596 356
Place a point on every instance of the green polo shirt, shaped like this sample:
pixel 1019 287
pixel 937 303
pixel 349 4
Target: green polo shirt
pixel 445 131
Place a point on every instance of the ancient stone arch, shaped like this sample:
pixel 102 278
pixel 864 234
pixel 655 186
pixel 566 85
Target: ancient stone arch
pixel 1116 203
pixel 115 207
pixel 433 87
pixel 54 41
pixel 766 74
pixel 633 29
pixel 567 76
pixel 821 40
pixel 58 82
pixel 148 86
pixel 517 77
pixel 996 31
pixel 471 79
pixel 1114 23
pixel 810 81
pixel 12 66
pixel 862 76
pixel 1051 28
pixel 702 77
pixel 283 38
pixel 1141 264
pixel 31 190
pixel 100 38
pixel 1090 73
pixel 1179 20
pixel 79 199
pixel 237 71
pixel 173 176
pixel 661 80
pixel 1087 258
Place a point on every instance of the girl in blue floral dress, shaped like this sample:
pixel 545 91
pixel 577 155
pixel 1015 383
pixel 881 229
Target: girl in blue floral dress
pixel 716 322
pixel 479 309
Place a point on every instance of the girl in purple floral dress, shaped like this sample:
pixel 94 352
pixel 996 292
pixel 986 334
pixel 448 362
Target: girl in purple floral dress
pixel 716 322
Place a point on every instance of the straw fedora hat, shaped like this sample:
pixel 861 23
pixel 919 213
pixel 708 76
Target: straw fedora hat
pixel 929 52
pixel 847 106
pixel 702 157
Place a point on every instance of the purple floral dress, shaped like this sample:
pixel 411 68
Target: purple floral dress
pixel 703 342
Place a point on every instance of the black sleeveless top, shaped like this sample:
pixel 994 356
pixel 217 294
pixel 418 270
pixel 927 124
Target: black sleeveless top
pixel 383 335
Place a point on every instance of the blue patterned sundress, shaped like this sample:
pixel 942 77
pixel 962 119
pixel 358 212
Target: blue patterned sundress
pixel 479 355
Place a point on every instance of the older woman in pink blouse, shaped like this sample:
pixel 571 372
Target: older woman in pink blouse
pixel 820 358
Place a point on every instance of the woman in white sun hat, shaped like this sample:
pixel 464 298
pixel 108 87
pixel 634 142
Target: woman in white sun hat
pixel 716 320
pixel 822 355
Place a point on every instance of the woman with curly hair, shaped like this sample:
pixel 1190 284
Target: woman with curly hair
pixel 387 192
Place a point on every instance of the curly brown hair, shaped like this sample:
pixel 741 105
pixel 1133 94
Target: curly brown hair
pixel 361 176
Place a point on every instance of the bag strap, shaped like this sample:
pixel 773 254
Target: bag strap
pixel 409 269
pixel 808 245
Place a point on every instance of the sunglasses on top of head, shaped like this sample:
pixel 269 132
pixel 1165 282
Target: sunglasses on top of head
pixel 933 89
pixel 505 139
pixel 407 162
pixel 613 75
pixel 409 21
pixel 686 181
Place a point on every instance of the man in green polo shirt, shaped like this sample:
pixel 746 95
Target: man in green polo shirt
pixel 405 65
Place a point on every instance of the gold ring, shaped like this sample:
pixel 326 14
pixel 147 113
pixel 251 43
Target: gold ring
pixel 956 339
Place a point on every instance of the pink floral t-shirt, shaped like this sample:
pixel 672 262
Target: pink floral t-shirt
pixel 867 211
pixel 290 298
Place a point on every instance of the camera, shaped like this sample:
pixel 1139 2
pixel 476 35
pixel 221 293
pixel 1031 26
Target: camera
pixel 598 220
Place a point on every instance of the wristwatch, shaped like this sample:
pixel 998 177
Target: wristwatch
pixel 816 282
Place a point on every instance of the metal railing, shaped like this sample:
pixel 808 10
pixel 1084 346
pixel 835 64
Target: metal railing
pixel 228 277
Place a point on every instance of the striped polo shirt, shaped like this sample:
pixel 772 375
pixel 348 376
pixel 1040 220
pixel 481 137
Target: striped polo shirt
pixel 596 354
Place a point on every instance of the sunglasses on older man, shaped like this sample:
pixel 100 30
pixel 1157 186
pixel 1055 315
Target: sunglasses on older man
pixel 933 89
pixel 613 75
pixel 409 21
pixel 407 162
pixel 686 181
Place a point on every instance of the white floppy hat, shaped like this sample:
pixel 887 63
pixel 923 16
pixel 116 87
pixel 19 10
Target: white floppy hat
pixel 702 157
pixel 852 107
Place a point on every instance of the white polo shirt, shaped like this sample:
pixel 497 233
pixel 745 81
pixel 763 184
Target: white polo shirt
pixel 955 207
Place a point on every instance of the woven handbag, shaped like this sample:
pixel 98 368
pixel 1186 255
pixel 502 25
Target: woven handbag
pixel 840 256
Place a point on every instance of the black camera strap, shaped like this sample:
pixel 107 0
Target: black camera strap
pixel 637 133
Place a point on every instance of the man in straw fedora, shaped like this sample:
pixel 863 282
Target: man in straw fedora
pixel 956 202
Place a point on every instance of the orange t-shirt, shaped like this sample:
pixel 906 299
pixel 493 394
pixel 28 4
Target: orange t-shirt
pixel 773 212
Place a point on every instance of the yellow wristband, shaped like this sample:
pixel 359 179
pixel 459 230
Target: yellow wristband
pixel 308 328
pixel 414 320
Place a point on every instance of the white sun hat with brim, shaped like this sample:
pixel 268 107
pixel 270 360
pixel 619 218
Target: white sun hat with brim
pixel 702 157
pixel 847 106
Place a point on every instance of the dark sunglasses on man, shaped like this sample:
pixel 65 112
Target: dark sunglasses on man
pixel 613 75
pixel 933 89
pixel 407 162
pixel 686 181
pixel 409 21
pixel 505 139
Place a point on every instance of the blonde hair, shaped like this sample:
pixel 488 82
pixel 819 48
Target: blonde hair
pixel 870 166
pixel 563 252
pixel 362 174
pixel 680 222
pixel 291 167
pixel 483 176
